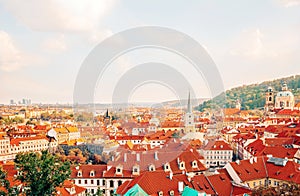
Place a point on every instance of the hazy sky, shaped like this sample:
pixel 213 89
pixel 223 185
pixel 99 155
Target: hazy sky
pixel 43 43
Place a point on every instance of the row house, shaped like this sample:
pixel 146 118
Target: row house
pixel 94 177
pixel 66 134
pixel 241 140
pixel 169 185
pixel 258 148
pixel 122 140
pixel 217 153
pixel 10 147
pixel 176 159
pixel 264 172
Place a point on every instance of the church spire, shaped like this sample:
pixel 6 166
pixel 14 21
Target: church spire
pixel 106 114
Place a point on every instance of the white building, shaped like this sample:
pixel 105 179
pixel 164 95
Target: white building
pixel 217 153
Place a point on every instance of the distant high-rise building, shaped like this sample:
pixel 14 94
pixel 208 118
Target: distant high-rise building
pixel 12 102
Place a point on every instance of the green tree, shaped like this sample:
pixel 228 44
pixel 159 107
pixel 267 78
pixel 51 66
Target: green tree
pixel 5 188
pixel 41 172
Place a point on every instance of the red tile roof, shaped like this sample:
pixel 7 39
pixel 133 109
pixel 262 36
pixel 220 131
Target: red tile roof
pixel 65 189
pixel 148 181
pixel 250 171
pixel 263 168
pixel 170 153
pixel 86 169
pixel 279 141
pixel 217 145
pixel 16 141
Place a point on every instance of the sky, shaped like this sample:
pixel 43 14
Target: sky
pixel 44 43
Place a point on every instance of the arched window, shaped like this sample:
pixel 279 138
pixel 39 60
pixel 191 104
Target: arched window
pixel 111 183
pixel 119 182
pixel 151 167
pixel 194 164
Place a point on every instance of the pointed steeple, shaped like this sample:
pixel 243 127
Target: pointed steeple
pixel 106 114
pixel 189 106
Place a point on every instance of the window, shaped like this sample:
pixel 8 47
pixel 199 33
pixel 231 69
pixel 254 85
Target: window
pixel 167 167
pixel 103 182
pixel 172 193
pixel 85 181
pixel 98 182
pixel 79 181
pixel 79 174
pixel 181 165
pixel 92 181
pixel 111 183
pixel 151 168
pixel 194 164
pixel 92 173
pixel 119 182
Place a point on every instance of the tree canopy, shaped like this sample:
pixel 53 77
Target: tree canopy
pixel 251 96
pixel 42 172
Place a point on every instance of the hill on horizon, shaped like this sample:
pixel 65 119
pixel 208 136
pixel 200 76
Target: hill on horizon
pixel 252 96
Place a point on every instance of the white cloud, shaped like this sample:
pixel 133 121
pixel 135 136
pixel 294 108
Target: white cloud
pixel 97 36
pixel 55 44
pixel 11 57
pixel 290 3
pixel 251 44
pixel 59 15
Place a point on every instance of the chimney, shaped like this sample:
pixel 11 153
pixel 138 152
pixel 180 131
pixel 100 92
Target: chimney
pixel 255 159
pixel 251 160
pixel 125 157
pixel 138 158
pixel 238 162
pixel 156 155
pixel 180 186
pixel 171 175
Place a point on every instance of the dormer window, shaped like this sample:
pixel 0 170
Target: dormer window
pixel 151 167
pixel 167 167
pixel 79 173
pixel 72 191
pixel 119 170
pixel 160 193
pixel 194 164
pixel 92 173
pixel 181 165
pixel 136 170
pixel 172 193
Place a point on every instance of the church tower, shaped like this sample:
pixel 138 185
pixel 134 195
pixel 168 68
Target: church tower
pixel 269 104
pixel 107 118
pixel 189 117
